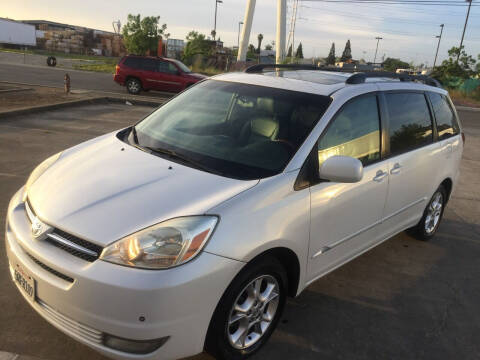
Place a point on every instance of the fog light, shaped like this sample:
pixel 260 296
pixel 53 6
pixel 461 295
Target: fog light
pixel 134 346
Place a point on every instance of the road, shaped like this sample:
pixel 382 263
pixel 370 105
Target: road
pixel 44 75
pixel 404 299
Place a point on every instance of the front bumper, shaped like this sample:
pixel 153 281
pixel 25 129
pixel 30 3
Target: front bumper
pixel 105 298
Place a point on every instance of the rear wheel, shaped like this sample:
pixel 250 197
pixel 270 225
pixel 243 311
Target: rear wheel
pixel 249 311
pixel 134 86
pixel 430 221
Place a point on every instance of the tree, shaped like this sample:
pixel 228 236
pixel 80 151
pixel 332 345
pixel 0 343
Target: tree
pixel 331 55
pixel 268 47
pixel 391 64
pixel 141 36
pixel 289 53
pixel 260 38
pixel 347 52
pixel 299 52
pixel 463 68
pixel 251 51
pixel 196 44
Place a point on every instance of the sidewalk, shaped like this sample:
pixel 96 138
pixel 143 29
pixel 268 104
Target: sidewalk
pixel 11 356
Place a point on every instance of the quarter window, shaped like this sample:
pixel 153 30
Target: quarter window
pixel 354 132
pixel 446 123
pixel 410 124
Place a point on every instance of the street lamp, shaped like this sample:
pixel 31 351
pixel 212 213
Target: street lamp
pixel 240 23
pixel 375 58
pixel 214 32
pixel 439 37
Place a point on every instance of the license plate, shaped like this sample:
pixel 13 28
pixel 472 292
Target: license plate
pixel 25 281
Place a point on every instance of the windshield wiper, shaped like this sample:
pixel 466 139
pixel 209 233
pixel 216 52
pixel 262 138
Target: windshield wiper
pixel 186 160
pixel 134 133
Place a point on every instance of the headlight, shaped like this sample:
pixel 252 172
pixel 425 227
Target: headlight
pixel 38 171
pixel 164 245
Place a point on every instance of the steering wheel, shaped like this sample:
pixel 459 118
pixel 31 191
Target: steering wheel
pixel 287 143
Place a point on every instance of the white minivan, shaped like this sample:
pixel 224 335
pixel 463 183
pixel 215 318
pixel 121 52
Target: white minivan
pixel 187 231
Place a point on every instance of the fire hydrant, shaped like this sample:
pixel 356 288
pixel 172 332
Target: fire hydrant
pixel 66 81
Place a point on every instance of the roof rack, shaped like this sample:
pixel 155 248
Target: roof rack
pixel 357 77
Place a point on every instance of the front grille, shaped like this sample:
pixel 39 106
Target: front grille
pixel 49 269
pixel 75 246
pixel 84 250
pixel 70 325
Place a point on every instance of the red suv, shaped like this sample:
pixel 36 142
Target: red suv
pixel 139 73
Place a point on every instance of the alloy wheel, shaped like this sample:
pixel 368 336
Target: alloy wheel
pixel 434 212
pixel 253 312
pixel 133 86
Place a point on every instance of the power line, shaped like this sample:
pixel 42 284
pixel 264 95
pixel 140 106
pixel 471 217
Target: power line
pixel 396 2
pixel 378 18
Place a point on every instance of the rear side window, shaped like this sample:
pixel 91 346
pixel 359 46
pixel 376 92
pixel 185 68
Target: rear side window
pixel 354 132
pixel 132 62
pixel 410 123
pixel 445 118
pixel 149 64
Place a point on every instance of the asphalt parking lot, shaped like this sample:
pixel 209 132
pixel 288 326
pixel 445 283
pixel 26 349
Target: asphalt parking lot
pixel 404 299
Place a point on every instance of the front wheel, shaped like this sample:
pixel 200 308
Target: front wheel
pixel 134 86
pixel 249 311
pixel 430 221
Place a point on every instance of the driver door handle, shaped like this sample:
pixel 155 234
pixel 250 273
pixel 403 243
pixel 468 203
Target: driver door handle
pixel 380 175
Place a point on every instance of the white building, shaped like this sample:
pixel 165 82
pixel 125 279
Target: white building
pixel 16 33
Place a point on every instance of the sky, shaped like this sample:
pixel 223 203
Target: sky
pixel 408 31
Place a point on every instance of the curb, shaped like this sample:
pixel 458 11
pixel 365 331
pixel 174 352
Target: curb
pixel 467 108
pixel 94 100
pixel 163 94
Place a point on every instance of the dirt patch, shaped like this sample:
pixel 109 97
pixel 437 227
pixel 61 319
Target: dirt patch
pixel 37 96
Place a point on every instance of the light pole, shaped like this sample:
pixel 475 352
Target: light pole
pixel 438 46
pixel 375 58
pixel 464 28
pixel 214 33
pixel 240 23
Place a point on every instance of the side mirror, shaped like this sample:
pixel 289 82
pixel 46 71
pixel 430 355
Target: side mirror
pixel 343 169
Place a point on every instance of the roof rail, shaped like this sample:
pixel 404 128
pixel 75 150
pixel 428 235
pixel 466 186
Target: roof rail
pixel 258 68
pixel 357 77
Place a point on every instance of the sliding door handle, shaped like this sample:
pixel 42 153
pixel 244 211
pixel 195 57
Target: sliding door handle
pixel 395 169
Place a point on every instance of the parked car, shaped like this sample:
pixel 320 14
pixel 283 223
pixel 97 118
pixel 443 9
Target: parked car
pixel 139 73
pixel 188 230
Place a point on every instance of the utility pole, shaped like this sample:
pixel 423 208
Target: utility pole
pixel 240 23
pixel 281 30
pixel 214 33
pixel 375 58
pixel 438 46
pixel 464 28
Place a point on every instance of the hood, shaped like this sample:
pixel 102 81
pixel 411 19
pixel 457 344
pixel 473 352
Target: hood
pixel 197 76
pixel 104 189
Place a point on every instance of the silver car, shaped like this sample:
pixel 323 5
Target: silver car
pixel 187 231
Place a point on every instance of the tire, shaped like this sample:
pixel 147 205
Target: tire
pixel 266 272
pixel 51 61
pixel 432 216
pixel 134 86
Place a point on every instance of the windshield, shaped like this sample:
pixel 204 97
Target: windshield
pixel 182 66
pixel 235 130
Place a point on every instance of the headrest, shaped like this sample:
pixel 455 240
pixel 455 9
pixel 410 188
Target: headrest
pixel 264 127
pixel 265 105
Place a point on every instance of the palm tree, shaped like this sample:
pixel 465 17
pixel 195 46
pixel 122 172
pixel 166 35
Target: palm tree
pixel 260 38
